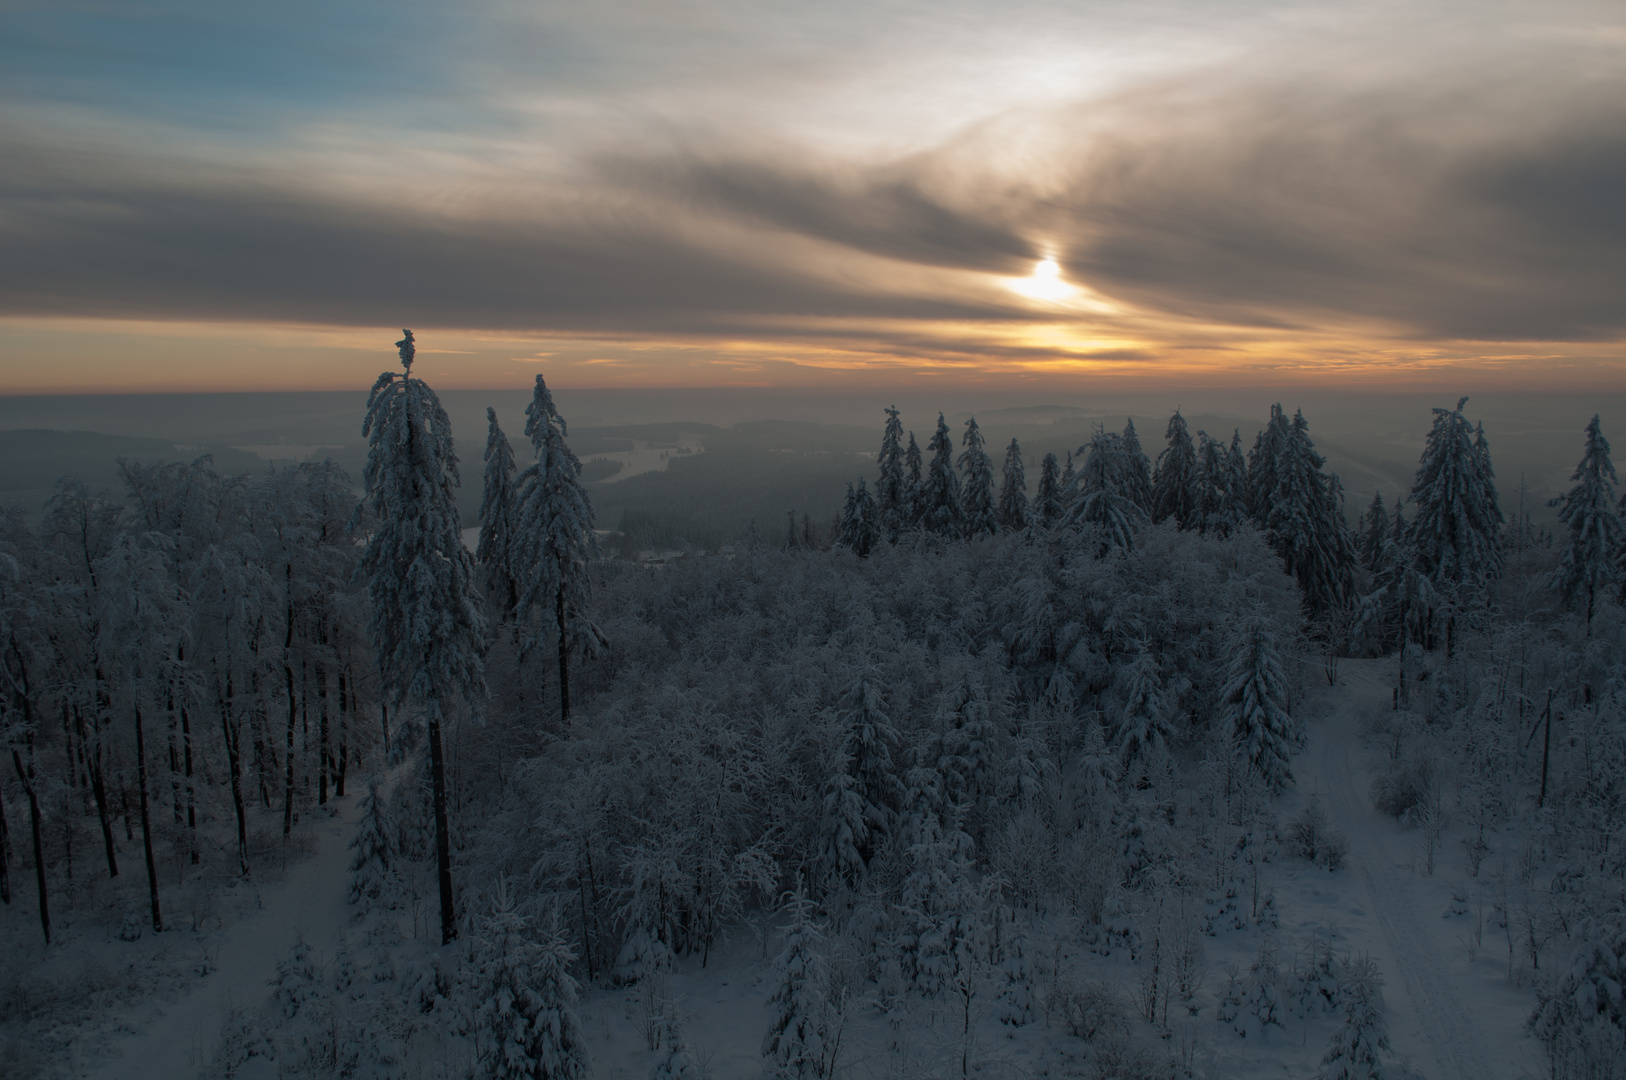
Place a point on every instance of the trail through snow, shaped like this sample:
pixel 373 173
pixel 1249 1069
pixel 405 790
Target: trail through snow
pixel 1428 1018
pixel 309 901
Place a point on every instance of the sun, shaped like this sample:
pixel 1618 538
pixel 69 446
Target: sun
pixel 1045 283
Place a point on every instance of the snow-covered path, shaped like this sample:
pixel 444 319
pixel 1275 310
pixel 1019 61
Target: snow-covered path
pixel 180 1040
pixel 1428 1020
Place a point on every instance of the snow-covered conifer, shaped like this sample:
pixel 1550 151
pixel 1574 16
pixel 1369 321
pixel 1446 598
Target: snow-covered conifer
pixel 1594 537
pixel 525 1025
pixel 892 487
pixel 1013 491
pixel 798 1044
pixel 941 509
pixel 863 796
pixel 1263 462
pixel 1220 504
pixel 1016 977
pixel 427 629
pixel 1146 727
pixel 915 483
pixel 1106 484
pixel 556 541
pixel 1374 539
pixel 1456 526
pixel 1251 714
pixel 499 512
pixel 1305 522
pixel 859 528
pixel 979 512
pixel 1048 503
pixel 372 868
pixel 1354 1053
pixel 1175 482
pixel 1137 468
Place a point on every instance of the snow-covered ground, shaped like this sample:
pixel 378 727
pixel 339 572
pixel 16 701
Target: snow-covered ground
pixel 1452 1014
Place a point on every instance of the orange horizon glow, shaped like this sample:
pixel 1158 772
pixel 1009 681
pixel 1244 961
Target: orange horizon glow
pixel 67 356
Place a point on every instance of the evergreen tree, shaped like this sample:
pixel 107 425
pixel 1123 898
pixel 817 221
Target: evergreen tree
pixel 556 539
pixel 798 1045
pixel 1048 504
pixel 1013 491
pixel 915 483
pixel 427 628
pixel 792 542
pixel 372 868
pixel 863 794
pixel 892 489
pixel 1594 542
pixel 1146 727
pixel 859 528
pixel 941 510
pixel 1354 1052
pixel 1175 484
pixel 1137 469
pixel 498 517
pixel 1069 481
pixel 1374 541
pixel 1269 449
pixel 1456 525
pixel 525 1025
pixel 811 540
pixel 1251 714
pixel 1220 504
pixel 979 514
pixel 1105 501
pixel 1305 523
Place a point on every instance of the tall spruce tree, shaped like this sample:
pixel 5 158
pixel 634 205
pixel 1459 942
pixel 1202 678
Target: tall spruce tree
pixel 499 513
pixel 1013 491
pixel 1251 713
pixel 859 528
pixel 1137 468
pixel 1374 540
pixel 1048 504
pixel 1305 522
pixel 556 541
pixel 1175 483
pixel 1456 526
pixel 1268 449
pixel 915 483
pixel 941 510
pixel 427 629
pixel 1105 504
pixel 1593 529
pixel 892 488
pixel 979 514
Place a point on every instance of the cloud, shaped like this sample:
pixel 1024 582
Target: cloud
pixel 1324 194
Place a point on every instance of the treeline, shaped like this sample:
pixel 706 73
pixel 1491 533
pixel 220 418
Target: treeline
pixel 1206 485
pixel 177 662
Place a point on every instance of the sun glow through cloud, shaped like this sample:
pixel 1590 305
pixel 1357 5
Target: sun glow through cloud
pixel 1045 283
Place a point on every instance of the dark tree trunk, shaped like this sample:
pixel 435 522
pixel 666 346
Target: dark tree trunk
pixel 98 788
pixel 234 765
pixel 344 738
pixel 39 848
pixel 443 840
pixel 564 660
pixel 322 752
pixel 5 851
pixel 293 708
pixel 146 823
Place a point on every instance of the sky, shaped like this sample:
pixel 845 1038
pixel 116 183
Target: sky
pixel 686 193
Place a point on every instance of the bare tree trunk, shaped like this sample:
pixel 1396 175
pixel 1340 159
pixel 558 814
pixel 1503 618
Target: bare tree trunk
pixel 234 762
pixel 443 840
pixel 344 738
pixel 5 852
pixel 146 823
pixel 39 849
pixel 322 753
pixel 564 661
pixel 293 710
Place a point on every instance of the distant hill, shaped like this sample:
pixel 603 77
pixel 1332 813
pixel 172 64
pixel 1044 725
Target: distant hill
pixel 33 460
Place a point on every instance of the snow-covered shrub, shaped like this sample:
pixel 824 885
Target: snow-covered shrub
pixel 1404 785
pixel 1087 1009
pixel 1311 836
pixel 525 1024
pixel 372 868
pixel 1354 1053
pixel 798 1043
pixel 1581 1014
